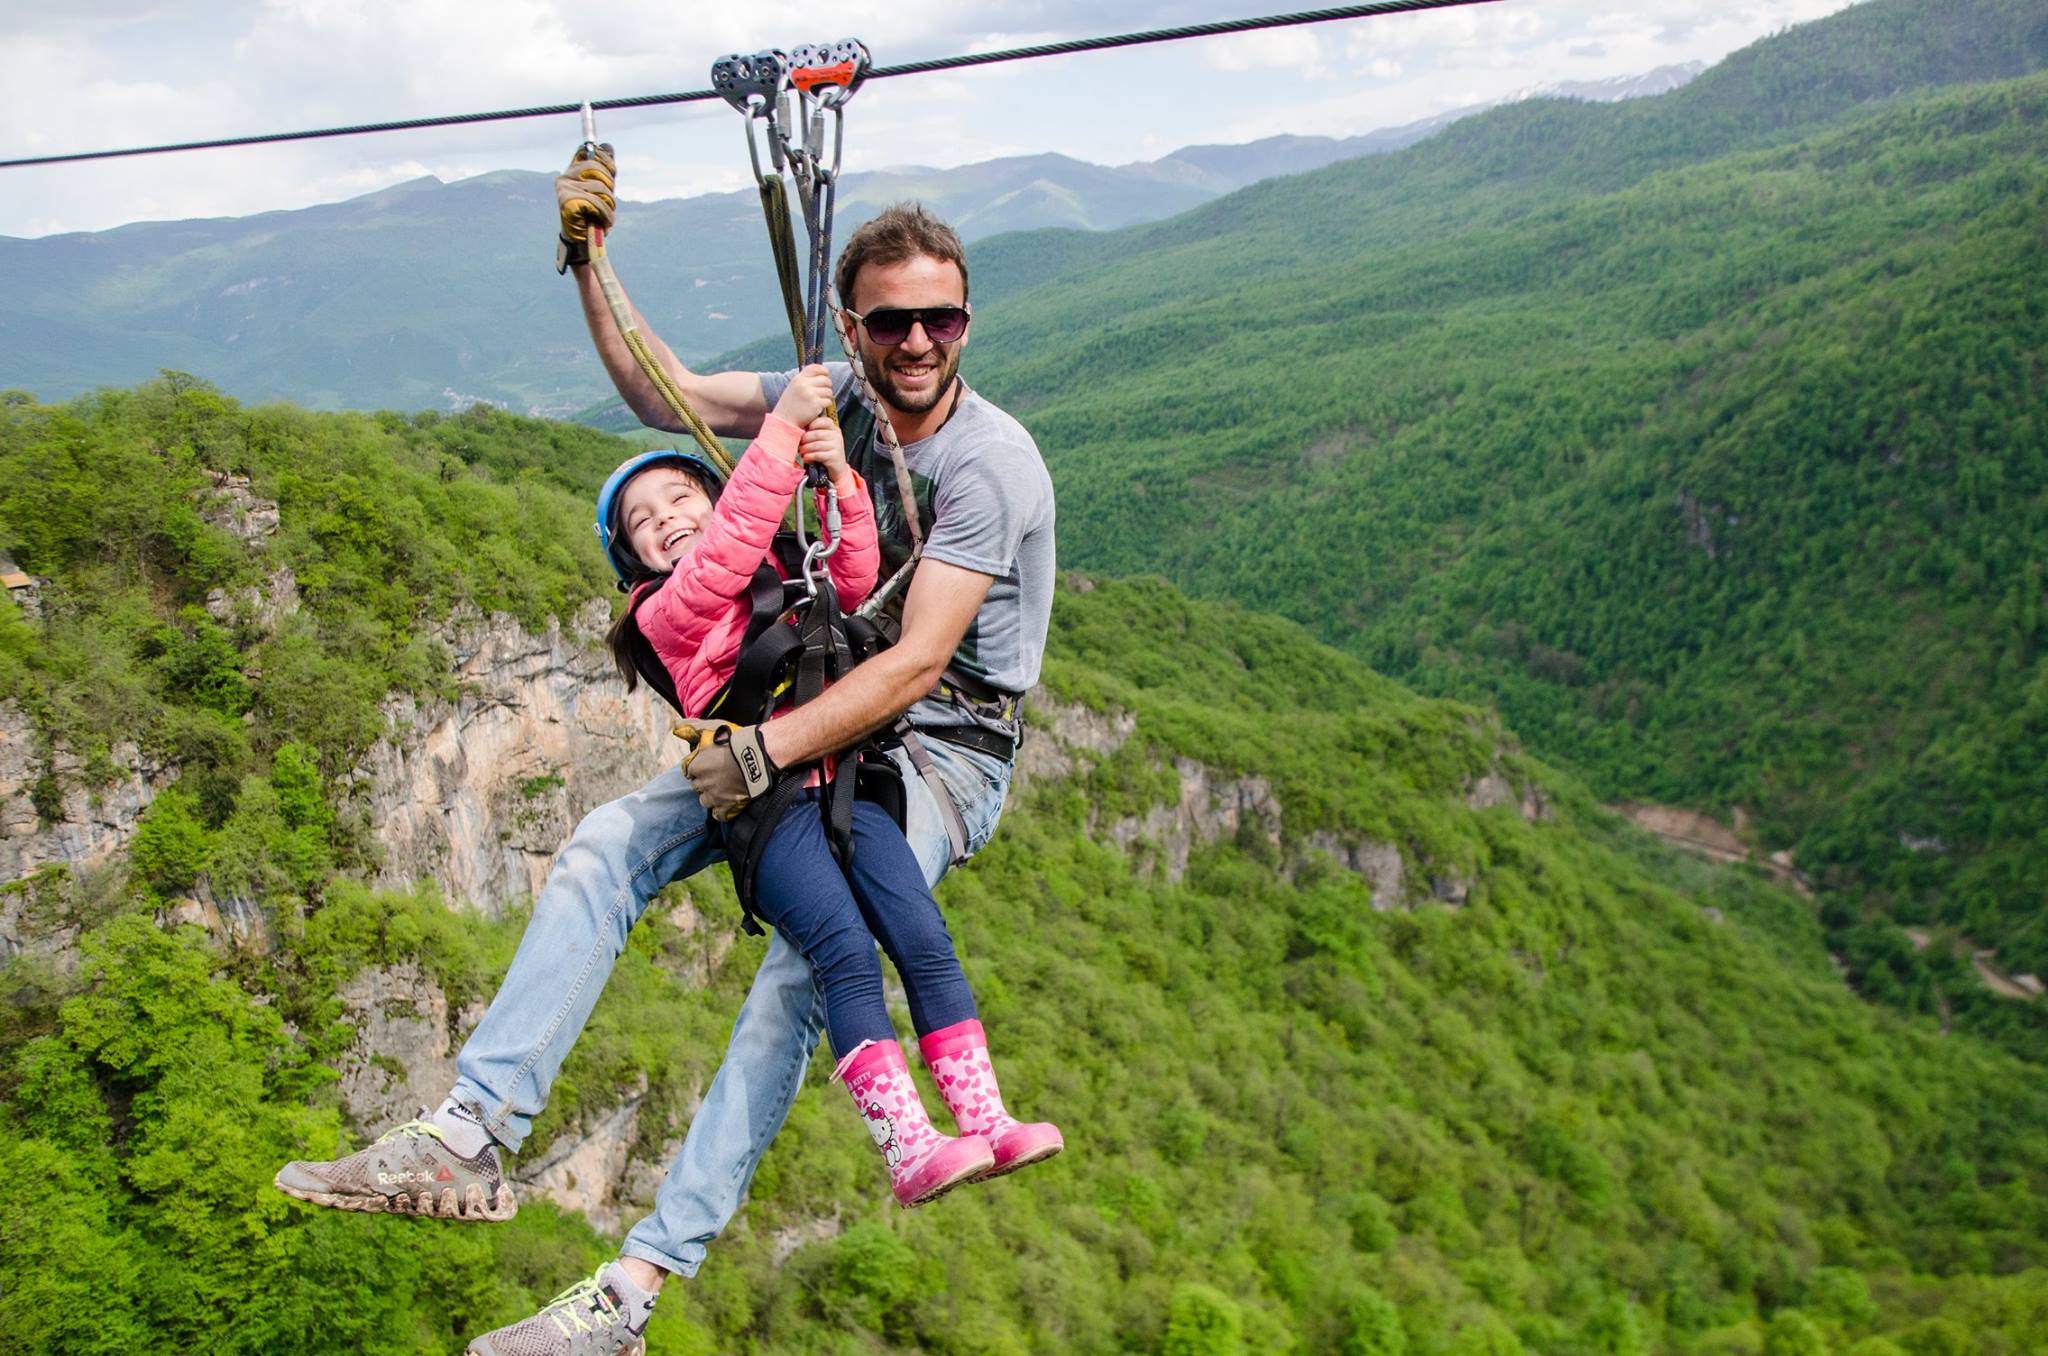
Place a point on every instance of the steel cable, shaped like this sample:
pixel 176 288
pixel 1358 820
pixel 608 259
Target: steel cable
pixel 1050 49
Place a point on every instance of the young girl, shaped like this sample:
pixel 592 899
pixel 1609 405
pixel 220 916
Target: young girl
pixel 689 548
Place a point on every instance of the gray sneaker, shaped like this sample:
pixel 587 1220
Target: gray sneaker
pixel 590 1318
pixel 410 1171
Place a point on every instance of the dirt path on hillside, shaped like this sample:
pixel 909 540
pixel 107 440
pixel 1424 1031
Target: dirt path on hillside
pixel 1704 836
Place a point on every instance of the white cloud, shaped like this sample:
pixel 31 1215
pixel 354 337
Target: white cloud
pixel 1297 49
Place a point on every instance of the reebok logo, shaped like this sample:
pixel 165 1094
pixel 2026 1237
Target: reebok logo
pixel 404 1178
pixel 444 1175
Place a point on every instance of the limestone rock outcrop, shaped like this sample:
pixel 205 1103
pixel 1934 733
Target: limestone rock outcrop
pixel 479 793
pixel 96 808
pixel 404 1052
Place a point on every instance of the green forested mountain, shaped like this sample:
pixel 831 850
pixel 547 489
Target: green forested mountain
pixel 437 295
pixel 1573 1095
pixel 1704 436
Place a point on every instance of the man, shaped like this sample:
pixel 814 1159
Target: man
pixel 973 632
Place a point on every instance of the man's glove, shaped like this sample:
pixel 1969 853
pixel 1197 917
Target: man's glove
pixel 727 765
pixel 584 196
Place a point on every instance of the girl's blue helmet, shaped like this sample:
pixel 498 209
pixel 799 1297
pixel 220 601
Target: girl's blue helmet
pixel 625 564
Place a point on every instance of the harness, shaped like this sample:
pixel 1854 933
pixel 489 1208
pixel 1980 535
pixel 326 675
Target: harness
pixel 796 642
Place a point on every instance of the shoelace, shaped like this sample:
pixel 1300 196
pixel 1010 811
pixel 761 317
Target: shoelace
pixel 412 1128
pixel 566 1309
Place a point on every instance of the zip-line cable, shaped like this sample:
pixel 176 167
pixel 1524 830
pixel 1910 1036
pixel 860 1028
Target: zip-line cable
pixel 1050 49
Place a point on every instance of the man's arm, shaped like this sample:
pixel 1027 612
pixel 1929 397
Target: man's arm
pixel 730 402
pixel 941 606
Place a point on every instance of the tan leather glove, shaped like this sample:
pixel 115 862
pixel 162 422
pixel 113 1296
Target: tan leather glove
pixel 585 197
pixel 727 765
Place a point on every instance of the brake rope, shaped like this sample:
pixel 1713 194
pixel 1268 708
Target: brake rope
pixel 636 343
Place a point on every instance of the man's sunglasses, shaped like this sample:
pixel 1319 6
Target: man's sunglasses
pixel 890 325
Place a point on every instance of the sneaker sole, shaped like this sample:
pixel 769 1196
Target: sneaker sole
pixel 637 1349
pixel 470 1208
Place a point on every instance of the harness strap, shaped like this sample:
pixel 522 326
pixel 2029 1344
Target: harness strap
pixel 746 838
pixel 971 694
pixel 652 671
pixel 977 737
pixel 765 649
pixel 746 696
pixel 949 811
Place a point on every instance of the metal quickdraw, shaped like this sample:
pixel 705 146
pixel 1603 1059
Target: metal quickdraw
pixel 791 96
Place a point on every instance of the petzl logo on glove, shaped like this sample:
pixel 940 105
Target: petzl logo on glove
pixel 752 759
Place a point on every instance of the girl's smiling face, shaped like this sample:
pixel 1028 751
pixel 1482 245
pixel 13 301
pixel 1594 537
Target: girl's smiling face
pixel 662 513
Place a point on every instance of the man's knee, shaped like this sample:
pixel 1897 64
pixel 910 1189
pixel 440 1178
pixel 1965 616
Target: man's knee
pixel 643 839
pixel 782 1006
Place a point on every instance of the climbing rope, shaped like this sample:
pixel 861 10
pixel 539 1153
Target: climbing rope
pixel 636 343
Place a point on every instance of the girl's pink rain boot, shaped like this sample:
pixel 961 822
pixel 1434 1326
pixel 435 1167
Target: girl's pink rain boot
pixel 923 1164
pixel 958 1056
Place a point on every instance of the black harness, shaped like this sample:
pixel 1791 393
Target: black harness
pixel 796 642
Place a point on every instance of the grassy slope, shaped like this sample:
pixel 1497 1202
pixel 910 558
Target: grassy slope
pixel 1482 430
pixel 1576 1115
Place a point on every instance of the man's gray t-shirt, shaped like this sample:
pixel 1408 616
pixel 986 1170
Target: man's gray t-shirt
pixel 986 504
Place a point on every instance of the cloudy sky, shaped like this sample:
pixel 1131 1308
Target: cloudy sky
pixel 95 74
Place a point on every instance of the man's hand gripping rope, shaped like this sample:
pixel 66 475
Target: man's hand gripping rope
pixel 586 197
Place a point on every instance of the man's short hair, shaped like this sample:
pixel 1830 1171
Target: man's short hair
pixel 903 231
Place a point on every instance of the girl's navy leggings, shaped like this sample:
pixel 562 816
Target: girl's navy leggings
pixel 835 917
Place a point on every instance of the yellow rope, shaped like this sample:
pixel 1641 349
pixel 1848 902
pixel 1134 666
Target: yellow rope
pixel 782 241
pixel 622 316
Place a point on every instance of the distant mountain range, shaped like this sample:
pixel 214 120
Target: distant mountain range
pixel 433 295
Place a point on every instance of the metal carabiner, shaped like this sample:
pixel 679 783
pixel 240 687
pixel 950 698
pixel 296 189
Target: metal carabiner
pixel 754 85
pixel 823 549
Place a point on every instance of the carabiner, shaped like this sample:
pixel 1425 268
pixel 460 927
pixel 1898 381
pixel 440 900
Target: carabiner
pixel 817 552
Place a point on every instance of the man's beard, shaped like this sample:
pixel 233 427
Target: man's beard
pixel 886 388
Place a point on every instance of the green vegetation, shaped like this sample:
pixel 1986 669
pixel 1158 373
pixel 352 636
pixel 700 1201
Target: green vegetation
pixel 1615 1101
pixel 152 632
pixel 1724 485
pixel 1703 437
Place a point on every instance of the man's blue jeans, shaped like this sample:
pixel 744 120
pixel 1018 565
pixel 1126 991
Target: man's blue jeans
pixel 619 856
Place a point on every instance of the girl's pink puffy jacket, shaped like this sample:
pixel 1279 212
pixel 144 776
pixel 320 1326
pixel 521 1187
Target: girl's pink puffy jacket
pixel 698 616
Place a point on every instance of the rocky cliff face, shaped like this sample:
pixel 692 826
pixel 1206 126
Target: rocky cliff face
pixel 96 808
pixel 1211 806
pixel 478 794
pixel 474 794
pixel 59 809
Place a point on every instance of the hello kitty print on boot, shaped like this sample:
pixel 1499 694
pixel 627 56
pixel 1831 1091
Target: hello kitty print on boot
pixel 958 1057
pixel 923 1164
